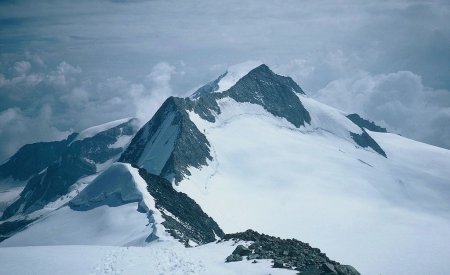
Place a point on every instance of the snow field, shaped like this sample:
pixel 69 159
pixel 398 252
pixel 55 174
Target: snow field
pixel 315 185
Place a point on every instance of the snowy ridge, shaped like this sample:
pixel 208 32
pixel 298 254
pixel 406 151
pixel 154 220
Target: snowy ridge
pixel 92 131
pixel 234 73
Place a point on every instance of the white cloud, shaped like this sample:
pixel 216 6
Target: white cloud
pixel 399 101
pixel 22 67
pixel 22 129
pixel 148 97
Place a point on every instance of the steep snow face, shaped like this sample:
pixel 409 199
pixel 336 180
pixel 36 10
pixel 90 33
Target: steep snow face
pixel 115 186
pixel 159 146
pixel 314 184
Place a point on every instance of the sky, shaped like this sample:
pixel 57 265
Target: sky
pixel 68 65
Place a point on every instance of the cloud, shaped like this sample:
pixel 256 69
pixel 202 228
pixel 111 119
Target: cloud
pixel 50 103
pixel 22 67
pixel 18 129
pixel 96 61
pixel 400 101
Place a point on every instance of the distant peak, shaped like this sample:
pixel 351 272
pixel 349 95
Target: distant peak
pixel 92 131
pixel 228 79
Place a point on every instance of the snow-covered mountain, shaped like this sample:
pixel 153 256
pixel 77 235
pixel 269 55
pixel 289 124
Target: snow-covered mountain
pixel 261 154
pixel 41 177
pixel 247 150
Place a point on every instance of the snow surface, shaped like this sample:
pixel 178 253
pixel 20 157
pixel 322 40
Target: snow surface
pixel 234 73
pixel 92 131
pixel 103 225
pixel 99 224
pixel 158 258
pixel 157 150
pixel 115 185
pixel 383 216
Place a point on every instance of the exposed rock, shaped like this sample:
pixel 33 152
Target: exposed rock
pixel 184 218
pixel 78 159
pixel 242 250
pixel 364 123
pixel 233 258
pixel 290 254
pixel 329 268
pixel 278 264
pixel 365 140
pixel 346 269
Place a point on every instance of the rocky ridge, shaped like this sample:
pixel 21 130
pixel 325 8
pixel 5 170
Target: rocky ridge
pixel 285 253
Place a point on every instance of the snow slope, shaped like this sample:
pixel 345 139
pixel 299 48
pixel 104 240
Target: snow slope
pixel 382 215
pixel 114 209
pixel 158 258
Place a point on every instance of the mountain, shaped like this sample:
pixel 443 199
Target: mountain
pixel 261 154
pixel 48 174
pixel 247 150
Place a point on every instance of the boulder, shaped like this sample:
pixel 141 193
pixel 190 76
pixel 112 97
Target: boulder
pixel 242 251
pixel 278 264
pixel 233 258
pixel 328 268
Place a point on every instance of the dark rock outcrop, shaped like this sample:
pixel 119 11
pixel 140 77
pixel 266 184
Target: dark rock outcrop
pixel 242 251
pixel 365 140
pixel 33 158
pixel 290 254
pixel 364 123
pixel 184 218
pixel 275 93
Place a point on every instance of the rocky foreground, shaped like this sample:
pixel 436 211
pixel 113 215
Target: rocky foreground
pixel 286 253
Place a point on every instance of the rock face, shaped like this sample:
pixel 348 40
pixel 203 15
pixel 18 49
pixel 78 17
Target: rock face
pixel 184 219
pixel 364 123
pixel 365 140
pixel 287 253
pixel 277 94
pixel 65 162
pixel 33 158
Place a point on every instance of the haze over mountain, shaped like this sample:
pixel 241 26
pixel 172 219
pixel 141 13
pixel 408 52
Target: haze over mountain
pixel 65 65
pixel 249 150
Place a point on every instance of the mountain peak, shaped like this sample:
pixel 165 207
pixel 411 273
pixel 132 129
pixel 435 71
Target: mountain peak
pixel 228 79
pixel 249 69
